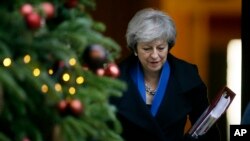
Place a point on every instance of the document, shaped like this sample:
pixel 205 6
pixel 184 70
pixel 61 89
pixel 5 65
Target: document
pixel 213 112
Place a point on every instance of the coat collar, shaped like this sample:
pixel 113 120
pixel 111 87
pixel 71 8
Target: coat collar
pixel 133 107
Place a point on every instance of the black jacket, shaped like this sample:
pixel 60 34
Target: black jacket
pixel 186 94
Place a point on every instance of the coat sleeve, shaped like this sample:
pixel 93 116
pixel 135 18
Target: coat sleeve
pixel 199 104
pixel 195 90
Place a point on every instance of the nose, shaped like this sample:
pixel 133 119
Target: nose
pixel 154 54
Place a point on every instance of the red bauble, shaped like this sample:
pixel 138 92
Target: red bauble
pixel 33 20
pixel 95 56
pixel 62 106
pixel 97 51
pixel 76 107
pixel 49 9
pixel 112 70
pixel 100 71
pixel 26 9
pixel 67 107
pixel 26 139
pixel 61 64
pixel 71 3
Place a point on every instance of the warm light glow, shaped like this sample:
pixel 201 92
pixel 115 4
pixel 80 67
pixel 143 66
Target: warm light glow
pixel 72 61
pixel 66 77
pixel 72 90
pixel 79 80
pixel 44 88
pixel 234 81
pixel 50 71
pixel 58 87
pixel 26 59
pixel 36 72
pixel 7 62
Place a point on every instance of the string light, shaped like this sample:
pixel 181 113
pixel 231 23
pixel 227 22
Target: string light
pixel 79 80
pixel 66 77
pixel 72 61
pixel 26 59
pixel 44 88
pixel 58 87
pixel 50 71
pixel 36 72
pixel 72 90
pixel 7 62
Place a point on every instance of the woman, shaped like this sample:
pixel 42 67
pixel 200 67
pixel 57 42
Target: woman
pixel 163 91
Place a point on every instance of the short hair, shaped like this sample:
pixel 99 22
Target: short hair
pixel 149 24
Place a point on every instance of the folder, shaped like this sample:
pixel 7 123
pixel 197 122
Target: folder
pixel 214 111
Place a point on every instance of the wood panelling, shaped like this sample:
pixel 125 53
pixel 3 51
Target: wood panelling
pixel 197 23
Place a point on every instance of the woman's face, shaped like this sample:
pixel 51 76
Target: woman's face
pixel 152 55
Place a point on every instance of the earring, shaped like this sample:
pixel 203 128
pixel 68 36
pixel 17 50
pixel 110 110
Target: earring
pixel 135 54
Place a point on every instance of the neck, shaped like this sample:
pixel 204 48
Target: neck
pixel 152 79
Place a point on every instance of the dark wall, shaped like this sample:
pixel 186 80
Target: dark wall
pixel 117 15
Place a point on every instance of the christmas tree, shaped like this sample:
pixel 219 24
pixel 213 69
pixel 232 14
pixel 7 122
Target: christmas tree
pixel 57 73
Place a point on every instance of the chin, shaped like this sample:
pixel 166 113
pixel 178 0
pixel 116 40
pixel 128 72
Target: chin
pixel 158 68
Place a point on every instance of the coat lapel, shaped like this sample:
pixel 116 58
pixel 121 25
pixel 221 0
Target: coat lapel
pixel 174 105
pixel 133 107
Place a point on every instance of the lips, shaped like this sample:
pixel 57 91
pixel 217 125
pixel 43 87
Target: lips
pixel 154 64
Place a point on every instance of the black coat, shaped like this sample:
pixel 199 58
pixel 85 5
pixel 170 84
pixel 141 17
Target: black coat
pixel 186 94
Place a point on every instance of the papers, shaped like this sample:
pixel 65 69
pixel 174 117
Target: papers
pixel 214 111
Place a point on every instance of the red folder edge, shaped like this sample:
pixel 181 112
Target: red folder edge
pixel 212 105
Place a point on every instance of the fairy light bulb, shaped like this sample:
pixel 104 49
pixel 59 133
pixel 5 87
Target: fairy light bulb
pixel 27 59
pixel 72 61
pixel 44 88
pixel 50 71
pixel 79 80
pixel 58 87
pixel 7 62
pixel 66 77
pixel 36 72
pixel 72 90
